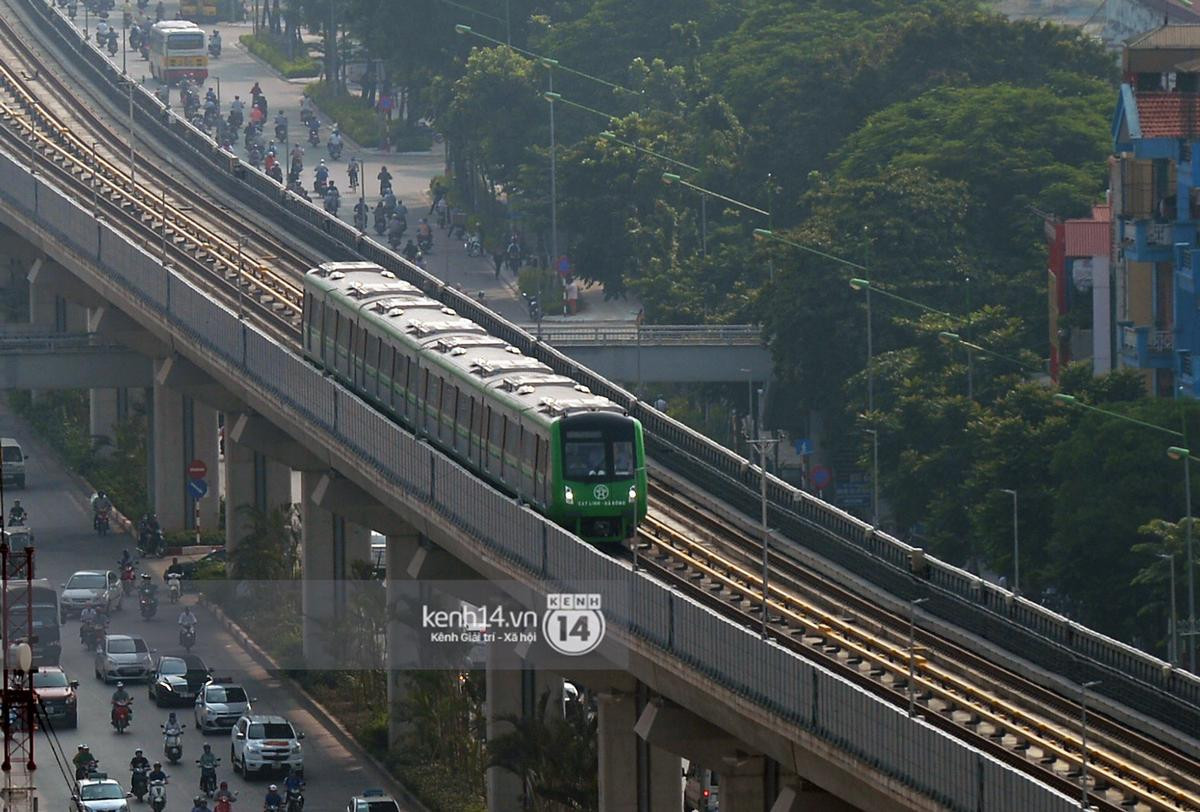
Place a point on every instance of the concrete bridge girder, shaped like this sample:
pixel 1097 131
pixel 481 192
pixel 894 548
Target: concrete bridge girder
pixel 47 277
pixel 180 374
pixel 111 324
pixel 263 436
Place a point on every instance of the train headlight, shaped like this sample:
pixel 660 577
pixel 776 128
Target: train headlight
pixel 568 495
pixel 633 493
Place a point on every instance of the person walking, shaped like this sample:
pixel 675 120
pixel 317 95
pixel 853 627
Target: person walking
pixel 498 258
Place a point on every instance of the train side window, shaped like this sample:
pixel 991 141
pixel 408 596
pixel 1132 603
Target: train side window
pixel 495 440
pixel 433 400
pixel 462 422
pixel 512 453
pixel 528 449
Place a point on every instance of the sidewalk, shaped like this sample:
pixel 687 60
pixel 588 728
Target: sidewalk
pixel 236 71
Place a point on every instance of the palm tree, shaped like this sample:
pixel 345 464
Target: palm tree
pixel 555 758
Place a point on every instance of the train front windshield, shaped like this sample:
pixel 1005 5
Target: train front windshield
pixel 596 450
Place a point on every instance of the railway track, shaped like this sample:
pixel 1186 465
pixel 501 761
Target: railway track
pixel 43 118
pixel 1000 711
pixel 684 543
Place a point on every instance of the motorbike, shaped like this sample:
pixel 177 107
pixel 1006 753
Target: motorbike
pixel 138 783
pixel 281 133
pixel 157 796
pixel 335 150
pixel 332 204
pixel 353 173
pixel 173 743
pixel 90 634
pixel 214 48
pixel 254 156
pixel 314 136
pixel 174 586
pixel 122 714
pixel 86 769
pixel 100 522
pixel 151 543
pixel 112 43
pixel 535 307
pixel 18 518
pixel 360 219
pixel 306 115
pixel 395 237
pixel 320 186
pixel 294 801
pixel 380 222
pixel 128 576
pixel 225 804
pixel 187 637
pixel 425 243
pixel 208 779
pixel 148 605
pixel 474 246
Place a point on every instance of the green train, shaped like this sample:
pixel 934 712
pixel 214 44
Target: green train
pixel 574 456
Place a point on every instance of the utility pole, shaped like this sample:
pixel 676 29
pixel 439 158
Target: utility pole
pixel 761 444
pixel 912 655
pixel 1173 640
pixel 1016 543
pixel 1083 751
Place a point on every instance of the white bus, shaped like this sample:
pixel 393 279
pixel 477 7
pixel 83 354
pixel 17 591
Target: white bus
pixel 178 49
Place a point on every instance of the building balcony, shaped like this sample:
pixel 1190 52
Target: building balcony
pixel 1147 347
pixel 1152 242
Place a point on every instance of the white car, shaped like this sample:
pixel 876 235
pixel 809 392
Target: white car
pixel 100 589
pixel 14 462
pixel 373 800
pixel 101 795
pixel 123 657
pixel 265 742
pixel 219 705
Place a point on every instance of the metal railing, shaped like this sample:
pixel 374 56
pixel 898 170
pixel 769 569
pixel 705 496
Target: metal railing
pixel 718 335
pixel 50 343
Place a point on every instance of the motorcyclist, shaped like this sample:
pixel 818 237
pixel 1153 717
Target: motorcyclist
pixel 160 12
pixel 335 139
pixel 207 760
pixel 273 800
pixel 148 524
pixel 333 200
pixel 157 773
pixel 293 783
pixel 175 568
pixel 385 180
pixel 120 697
pixel 138 760
pixel 297 158
pixel 352 169
pixel 322 173
pixel 395 231
pixel 83 759
pixel 200 804
pixel 361 212
pixel 147 586
pixel 102 31
pixel 187 621
pixel 88 616
pixel 17 515
pixel 306 108
pixel 172 726
pixel 126 560
pixel 410 251
pixel 224 793
pixel 214 41
pixel 389 202
pixel 281 126
pixel 255 91
pixel 101 503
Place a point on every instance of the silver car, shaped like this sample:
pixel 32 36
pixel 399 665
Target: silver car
pixel 100 589
pixel 123 657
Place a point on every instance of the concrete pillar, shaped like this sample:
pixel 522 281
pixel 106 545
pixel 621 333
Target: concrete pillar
pixel 317 573
pixel 742 787
pixel 618 751
pixel 184 429
pixel 168 458
pixel 665 775
pixel 801 796
pixel 504 698
pixel 239 492
pixel 104 410
pixel 402 646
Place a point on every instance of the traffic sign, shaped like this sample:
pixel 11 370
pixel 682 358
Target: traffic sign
pixel 197 488
pixel 563 265
pixel 197 469
pixel 803 447
pixel 820 477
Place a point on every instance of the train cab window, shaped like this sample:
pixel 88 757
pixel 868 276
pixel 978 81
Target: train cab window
pixel 597 448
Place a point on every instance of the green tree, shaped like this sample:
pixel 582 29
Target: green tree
pixel 555 757
pixel 1162 538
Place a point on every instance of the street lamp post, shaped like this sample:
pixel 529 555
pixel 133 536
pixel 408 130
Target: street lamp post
pixel 874 476
pixel 241 241
pixel 1016 543
pixel 1173 640
pixel 551 97
pixel 1083 753
pixel 750 432
pixel 912 654
pixel 1177 453
pixel 761 444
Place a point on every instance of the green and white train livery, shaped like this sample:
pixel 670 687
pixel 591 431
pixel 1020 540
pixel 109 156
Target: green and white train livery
pixel 575 456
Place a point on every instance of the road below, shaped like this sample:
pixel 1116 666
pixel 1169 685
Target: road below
pixel 61 521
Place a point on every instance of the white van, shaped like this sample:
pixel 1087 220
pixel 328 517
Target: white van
pixel 14 462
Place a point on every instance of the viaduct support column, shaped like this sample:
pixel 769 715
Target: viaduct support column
pixel 505 681
pixel 742 786
pixel 252 481
pixel 618 751
pixel 184 429
pixel 105 408
pixel 317 573
pixel 403 645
